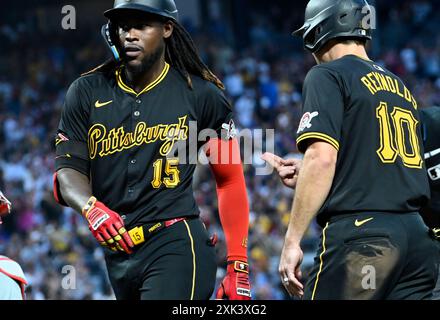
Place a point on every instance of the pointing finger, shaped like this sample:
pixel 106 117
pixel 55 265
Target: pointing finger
pixel 272 159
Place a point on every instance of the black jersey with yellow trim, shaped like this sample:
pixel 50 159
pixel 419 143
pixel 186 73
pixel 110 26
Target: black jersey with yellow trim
pixel 131 137
pixel 370 117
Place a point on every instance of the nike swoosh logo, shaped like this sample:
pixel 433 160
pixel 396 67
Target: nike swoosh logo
pixel 99 105
pixel 64 156
pixel 358 223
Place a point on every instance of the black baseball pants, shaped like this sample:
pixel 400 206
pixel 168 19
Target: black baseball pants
pixel 176 263
pixel 374 256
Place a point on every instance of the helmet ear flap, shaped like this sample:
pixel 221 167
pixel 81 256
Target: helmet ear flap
pixel 108 32
pixel 313 36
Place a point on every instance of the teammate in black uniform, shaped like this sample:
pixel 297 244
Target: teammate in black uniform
pixel 431 139
pixel 363 171
pixel 115 143
pixel 288 171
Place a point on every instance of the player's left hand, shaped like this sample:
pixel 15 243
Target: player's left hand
pixel 5 206
pixel 290 269
pixel 236 285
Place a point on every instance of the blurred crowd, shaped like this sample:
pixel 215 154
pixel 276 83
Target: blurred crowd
pixel 264 82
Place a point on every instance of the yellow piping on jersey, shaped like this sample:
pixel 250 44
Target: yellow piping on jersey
pixel 319 136
pixel 126 88
pixel 321 261
pixel 194 260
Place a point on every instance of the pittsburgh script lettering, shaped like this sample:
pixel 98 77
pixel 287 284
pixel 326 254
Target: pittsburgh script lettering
pixel 103 143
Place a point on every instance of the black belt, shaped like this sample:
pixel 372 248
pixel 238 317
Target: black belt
pixel 141 233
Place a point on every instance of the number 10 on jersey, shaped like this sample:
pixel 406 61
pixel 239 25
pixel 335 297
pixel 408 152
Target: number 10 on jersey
pixel 393 145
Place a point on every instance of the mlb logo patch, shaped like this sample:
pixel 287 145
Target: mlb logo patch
pixel 306 121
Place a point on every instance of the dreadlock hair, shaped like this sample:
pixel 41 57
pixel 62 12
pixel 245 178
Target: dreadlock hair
pixel 181 53
pixel 108 66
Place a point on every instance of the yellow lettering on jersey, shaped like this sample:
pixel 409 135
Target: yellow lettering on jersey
pixel 407 94
pixel 96 135
pixel 373 82
pixel 414 102
pixel 377 79
pixel 383 81
pixel 391 84
pixel 369 85
pixel 103 143
pixel 376 82
pixel 397 88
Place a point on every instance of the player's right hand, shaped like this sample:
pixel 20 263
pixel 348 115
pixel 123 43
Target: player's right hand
pixel 107 226
pixel 288 170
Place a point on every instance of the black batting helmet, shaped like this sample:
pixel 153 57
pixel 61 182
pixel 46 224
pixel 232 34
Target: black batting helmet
pixel 163 8
pixel 330 19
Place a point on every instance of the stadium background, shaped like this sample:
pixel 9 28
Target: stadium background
pixel 247 43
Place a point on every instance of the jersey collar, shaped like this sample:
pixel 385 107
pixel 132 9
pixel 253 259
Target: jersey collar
pixel 126 88
pixel 359 57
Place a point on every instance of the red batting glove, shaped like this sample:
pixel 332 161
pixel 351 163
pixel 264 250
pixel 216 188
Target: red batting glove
pixel 5 206
pixel 236 285
pixel 107 226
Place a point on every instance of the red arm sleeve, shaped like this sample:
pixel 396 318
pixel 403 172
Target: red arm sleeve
pixel 232 197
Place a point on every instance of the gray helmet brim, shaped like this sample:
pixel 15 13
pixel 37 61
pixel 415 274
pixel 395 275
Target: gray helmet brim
pixel 300 31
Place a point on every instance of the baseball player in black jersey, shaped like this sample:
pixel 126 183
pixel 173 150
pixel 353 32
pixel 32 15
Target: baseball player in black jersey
pixel 116 161
pixel 431 140
pixel 363 172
